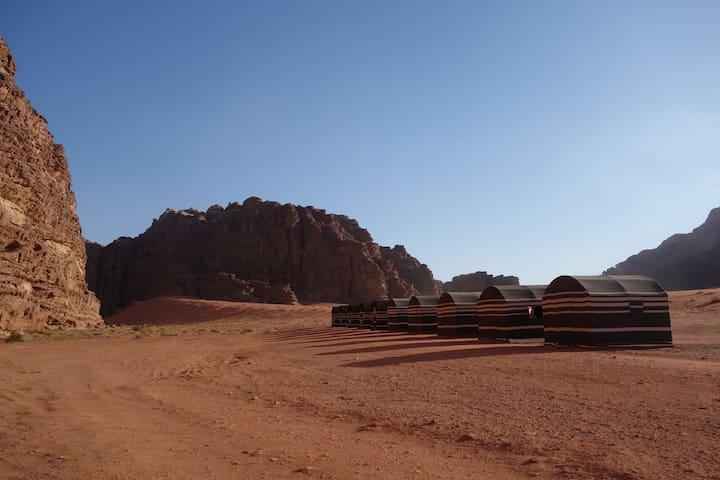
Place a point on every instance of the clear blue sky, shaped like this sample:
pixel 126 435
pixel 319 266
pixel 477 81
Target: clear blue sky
pixel 529 138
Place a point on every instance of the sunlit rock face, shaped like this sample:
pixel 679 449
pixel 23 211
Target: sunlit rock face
pixel 685 261
pixel 42 251
pixel 317 256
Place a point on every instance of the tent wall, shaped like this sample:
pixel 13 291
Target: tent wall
pixel 355 316
pixel 366 316
pixel 380 314
pixel 397 314
pixel 335 316
pixel 457 314
pixel 422 314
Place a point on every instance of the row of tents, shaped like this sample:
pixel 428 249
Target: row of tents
pixel 602 310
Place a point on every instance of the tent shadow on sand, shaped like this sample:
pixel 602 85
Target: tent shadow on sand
pixel 386 348
pixel 406 339
pixel 484 351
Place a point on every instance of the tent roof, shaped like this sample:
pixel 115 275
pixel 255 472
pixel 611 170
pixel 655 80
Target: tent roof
pixel 593 284
pixel 399 302
pixel 355 307
pixel 424 300
pixel 380 304
pixel 639 285
pixel 460 298
pixel 513 292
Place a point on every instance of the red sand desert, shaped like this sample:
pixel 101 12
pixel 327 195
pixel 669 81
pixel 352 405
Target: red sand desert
pixel 271 391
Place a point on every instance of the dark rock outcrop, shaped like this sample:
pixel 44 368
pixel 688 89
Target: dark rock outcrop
pixel 477 282
pixel 42 252
pixel 316 255
pixel 685 261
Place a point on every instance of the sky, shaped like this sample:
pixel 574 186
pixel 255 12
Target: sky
pixel 528 138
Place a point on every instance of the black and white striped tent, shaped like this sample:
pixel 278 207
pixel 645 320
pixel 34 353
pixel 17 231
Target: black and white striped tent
pixel 366 315
pixel 355 315
pixel 335 316
pixel 606 310
pixel 422 314
pixel 511 312
pixel 344 316
pixel 457 314
pixel 380 315
pixel 397 314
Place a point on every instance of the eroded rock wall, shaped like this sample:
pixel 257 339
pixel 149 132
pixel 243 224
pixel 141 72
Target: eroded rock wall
pixel 317 255
pixel 42 252
pixel 477 282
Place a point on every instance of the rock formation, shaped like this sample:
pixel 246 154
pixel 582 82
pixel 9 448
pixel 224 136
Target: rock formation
pixel 477 282
pixel 42 252
pixel 684 261
pixel 287 248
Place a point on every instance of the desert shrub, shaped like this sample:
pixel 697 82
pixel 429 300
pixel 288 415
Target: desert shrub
pixel 15 336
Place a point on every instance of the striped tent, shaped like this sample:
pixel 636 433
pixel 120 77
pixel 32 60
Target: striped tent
pixel 380 315
pixel 344 316
pixel 457 314
pixel 422 314
pixel 606 310
pixel 366 315
pixel 511 312
pixel 397 314
pixel 355 315
pixel 335 316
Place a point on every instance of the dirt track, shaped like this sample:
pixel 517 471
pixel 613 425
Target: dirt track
pixel 297 399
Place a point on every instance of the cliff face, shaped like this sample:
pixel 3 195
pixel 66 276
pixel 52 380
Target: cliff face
pixel 477 282
pixel 319 256
pixel 683 261
pixel 42 252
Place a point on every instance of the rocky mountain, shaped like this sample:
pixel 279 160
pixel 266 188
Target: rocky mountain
pixel 684 261
pixel 42 252
pixel 286 248
pixel 477 282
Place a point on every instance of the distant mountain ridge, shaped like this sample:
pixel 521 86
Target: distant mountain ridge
pixel 257 250
pixel 685 261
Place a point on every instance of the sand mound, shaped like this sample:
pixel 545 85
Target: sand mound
pixel 178 310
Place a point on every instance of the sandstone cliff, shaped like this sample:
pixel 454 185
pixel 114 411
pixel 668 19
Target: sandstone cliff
pixel 682 262
pixel 42 252
pixel 316 255
pixel 477 282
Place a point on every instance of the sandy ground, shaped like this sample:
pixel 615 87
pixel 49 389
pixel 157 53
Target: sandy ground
pixel 258 391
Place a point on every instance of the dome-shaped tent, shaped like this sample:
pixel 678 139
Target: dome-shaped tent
pixel 380 315
pixel 606 310
pixel 344 316
pixel 457 314
pixel 355 315
pixel 335 316
pixel 511 312
pixel 397 314
pixel 422 314
pixel 366 315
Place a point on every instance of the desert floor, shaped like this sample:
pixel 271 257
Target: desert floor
pixel 218 390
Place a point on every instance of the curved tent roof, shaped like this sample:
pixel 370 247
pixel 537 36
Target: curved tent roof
pixel 459 298
pixel 344 308
pixel 366 307
pixel 424 300
pixel 380 304
pixel 399 302
pixel 355 307
pixel 335 309
pixel 513 292
pixel 639 285
pixel 593 284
